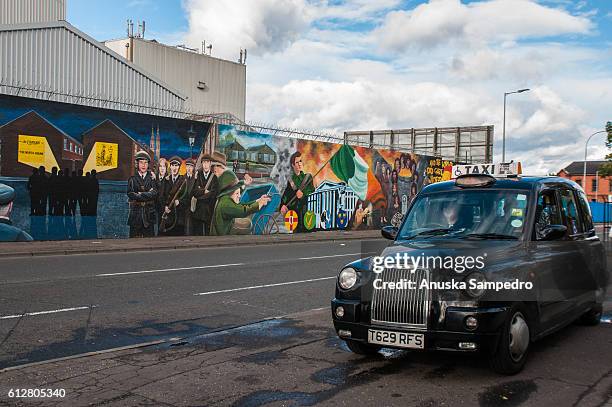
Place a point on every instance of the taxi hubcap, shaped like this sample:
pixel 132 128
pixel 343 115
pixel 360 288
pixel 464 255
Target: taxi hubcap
pixel 519 336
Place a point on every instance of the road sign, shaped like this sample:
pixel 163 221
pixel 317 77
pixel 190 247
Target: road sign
pixel 496 170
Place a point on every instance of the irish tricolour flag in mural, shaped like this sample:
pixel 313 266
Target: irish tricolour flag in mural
pixel 349 167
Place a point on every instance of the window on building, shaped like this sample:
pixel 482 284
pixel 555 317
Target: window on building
pixel 594 185
pixel 65 144
pixel 579 181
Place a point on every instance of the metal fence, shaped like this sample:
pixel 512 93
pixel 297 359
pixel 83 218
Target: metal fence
pixel 459 144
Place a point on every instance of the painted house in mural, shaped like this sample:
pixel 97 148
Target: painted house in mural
pixel 235 151
pixel 256 160
pixel 262 154
pixel 110 151
pixel 328 199
pixel 31 141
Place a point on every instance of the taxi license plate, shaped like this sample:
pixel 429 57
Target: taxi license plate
pixel 398 339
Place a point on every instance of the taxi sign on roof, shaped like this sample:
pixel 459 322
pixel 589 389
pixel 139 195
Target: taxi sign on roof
pixel 493 169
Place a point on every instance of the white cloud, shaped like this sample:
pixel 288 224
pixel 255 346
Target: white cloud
pixel 312 71
pixel 260 26
pixel 442 21
pixel 363 104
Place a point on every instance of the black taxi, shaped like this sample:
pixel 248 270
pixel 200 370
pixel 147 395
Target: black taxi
pixel 480 263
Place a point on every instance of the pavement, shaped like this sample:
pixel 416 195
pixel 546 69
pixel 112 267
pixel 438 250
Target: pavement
pixel 297 360
pixel 44 248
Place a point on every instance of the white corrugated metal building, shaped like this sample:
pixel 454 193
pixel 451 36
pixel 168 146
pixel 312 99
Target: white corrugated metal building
pixel 31 11
pixel 211 85
pixel 56 61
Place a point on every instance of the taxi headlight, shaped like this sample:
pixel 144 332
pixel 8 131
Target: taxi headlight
pixel 347 278
pixel 474 284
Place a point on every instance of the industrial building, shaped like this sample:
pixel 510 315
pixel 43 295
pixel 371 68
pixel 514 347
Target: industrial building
pixel 210 85
pixel 43 56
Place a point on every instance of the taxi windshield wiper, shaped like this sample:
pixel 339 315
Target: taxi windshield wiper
pixel 440 231
pixel 493 236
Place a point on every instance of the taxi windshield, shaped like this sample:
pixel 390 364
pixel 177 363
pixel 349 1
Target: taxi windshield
pixel 467 214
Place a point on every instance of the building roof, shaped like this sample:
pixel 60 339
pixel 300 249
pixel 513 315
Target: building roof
pixel 577 167
pixel 36 114
pixel 109 122
pixel 59 41
pixel 235 145
pixel 261 147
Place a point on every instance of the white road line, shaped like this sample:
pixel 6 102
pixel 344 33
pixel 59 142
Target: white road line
pixel 331 255
pixel 265 286
pixel 218 265
pixel 174 269
pixel 55 311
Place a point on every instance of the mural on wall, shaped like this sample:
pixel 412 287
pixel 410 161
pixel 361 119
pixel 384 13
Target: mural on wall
pixel 83 172
pixel 326 186
pixel 61 155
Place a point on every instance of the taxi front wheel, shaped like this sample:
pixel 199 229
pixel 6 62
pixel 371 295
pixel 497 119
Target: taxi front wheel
pixel 362 348
pixel 511 352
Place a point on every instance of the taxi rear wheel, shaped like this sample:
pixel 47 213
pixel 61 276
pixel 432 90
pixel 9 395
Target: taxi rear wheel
pixel 362 348
pixel 511 352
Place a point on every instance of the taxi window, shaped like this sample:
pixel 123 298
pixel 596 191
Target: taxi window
pixel 587 219
pixel 490 213
pixel 570 212
pixel 547 212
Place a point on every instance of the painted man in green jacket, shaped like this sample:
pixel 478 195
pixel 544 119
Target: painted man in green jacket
pixel 229 207
pixel 299 186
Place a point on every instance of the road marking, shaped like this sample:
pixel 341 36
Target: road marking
pixel 55 311
pixel 219 265
pixel 265 286
pixel 173 269
pixel 325 257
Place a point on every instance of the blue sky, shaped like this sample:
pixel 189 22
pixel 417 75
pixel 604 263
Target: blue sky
pixel 105 20
pixel 338 65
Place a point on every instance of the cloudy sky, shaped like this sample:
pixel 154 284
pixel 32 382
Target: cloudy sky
pixel 330 65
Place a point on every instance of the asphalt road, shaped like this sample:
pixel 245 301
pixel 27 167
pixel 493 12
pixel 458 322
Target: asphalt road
pixel 56 306
pixel 220 300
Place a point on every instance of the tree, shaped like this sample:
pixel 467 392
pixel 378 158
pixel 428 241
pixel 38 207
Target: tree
pixel 606 169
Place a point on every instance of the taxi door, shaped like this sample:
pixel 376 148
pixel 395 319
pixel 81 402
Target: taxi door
pixel 555 260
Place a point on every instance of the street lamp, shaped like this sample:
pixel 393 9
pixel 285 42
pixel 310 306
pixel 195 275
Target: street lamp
pixel 585 158
pixel 504 128
pixel 191 134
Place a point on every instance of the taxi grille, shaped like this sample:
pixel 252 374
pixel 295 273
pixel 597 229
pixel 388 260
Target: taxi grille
pixel 405 307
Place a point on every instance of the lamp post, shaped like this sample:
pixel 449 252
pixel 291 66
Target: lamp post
pixel 191 134
pixel 504 127
pixel 586 145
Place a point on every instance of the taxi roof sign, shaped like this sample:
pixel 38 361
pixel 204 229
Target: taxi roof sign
pixel 498 170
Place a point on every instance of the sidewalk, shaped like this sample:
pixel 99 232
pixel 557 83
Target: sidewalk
pixel 43 248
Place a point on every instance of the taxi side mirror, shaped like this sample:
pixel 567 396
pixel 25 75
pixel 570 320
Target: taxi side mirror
pixel 553 232
pixel 389 232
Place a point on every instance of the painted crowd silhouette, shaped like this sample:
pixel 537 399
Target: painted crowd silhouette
pixel 57 198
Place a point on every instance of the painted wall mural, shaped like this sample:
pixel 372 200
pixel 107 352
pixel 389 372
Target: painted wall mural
pixel 325 186
pixel 77 175
pixel 69 164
